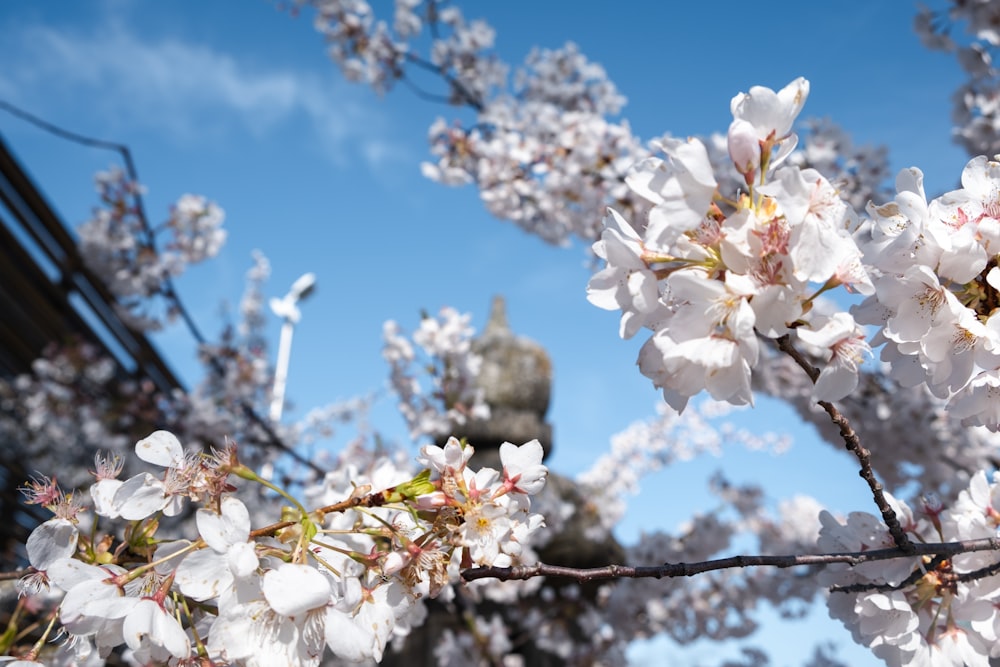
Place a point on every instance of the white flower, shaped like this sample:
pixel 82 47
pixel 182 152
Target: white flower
pixel 486 526
pixel 978 403
pixel 144 495
pixel 681 189
pixel 450 459
pixel 523 471
pixel 209 573
pixel 102 492
pixel 94 605
pixel 293 589
pixel 161 448
pixel 50 541
pixel 360 624
pixel 626 283
pixel 254 635
pixel 744 148
pixel 772 115
pixel 251 629
pixel 152 632
pixel 843 342
pixel 816 216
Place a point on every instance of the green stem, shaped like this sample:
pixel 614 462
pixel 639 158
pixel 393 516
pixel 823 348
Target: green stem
pixel 246 473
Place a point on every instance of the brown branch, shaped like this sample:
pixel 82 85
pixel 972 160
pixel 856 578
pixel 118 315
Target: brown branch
pixel 785 345
pixel 691 569
pixel 982 572
pixel 462 92
pixel 853 444
pixel 272 529
pixel 917 574
pixel 376 499
pixel 914 577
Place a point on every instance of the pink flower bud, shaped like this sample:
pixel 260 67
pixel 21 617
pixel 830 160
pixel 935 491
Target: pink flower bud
pixel 744 147
pixel 395 561
pixel 432 501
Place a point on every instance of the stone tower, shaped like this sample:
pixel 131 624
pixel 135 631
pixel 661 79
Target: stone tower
pixel 516 379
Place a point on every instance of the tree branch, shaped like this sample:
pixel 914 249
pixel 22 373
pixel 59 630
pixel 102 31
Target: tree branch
pixel 853 444
pixel 690 569
pixel 463 93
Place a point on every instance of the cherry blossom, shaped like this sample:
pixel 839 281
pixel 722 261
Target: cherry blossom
pixel 523 471
pixel 153 633
pixel 447 357
pixel 920 613
pixel 770 116
pixel 938 289
pixel 710 271
pixel 209 573
pixel 723 248
pixel 144 494
pixel 626 283
pixel 120 246
pixel 345 576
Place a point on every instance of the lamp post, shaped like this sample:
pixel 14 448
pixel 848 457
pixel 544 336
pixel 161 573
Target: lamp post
pixel 287 309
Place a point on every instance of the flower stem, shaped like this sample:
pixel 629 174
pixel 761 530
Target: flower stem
pixel 853 444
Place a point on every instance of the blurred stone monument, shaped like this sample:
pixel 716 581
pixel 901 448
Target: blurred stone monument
pixel 516 379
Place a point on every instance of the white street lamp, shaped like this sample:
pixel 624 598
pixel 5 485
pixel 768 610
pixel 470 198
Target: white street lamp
pixel 287 309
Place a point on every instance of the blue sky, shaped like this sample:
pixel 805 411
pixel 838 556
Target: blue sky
pixel 238 102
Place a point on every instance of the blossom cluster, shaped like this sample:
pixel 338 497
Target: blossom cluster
pixel 937 283
pixel 545 156
pixel 708 272
pixel 441 349
pixel 857 172
pixel 711 273
pixel 975 112
pixel 120 246
pixel 369 50
pixel 545 150
pixel 349 575
pixel 928 611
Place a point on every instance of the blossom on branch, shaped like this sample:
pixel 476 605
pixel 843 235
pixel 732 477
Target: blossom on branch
pixel 923 611
pixel 710 271
pixel 446 356
pixel 348 575
pixel 937 286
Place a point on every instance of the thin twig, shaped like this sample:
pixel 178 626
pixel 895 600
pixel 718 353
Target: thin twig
pixel 914 577
pixel 672 570
pixel 464 94
pixel 917 574
pixel 691 569
pixel 785 345
pixel 853 445
pixel 982 572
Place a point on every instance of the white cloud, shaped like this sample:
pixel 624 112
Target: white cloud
pixel 191 91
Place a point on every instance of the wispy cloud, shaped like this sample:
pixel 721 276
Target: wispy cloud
pixel 189 90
